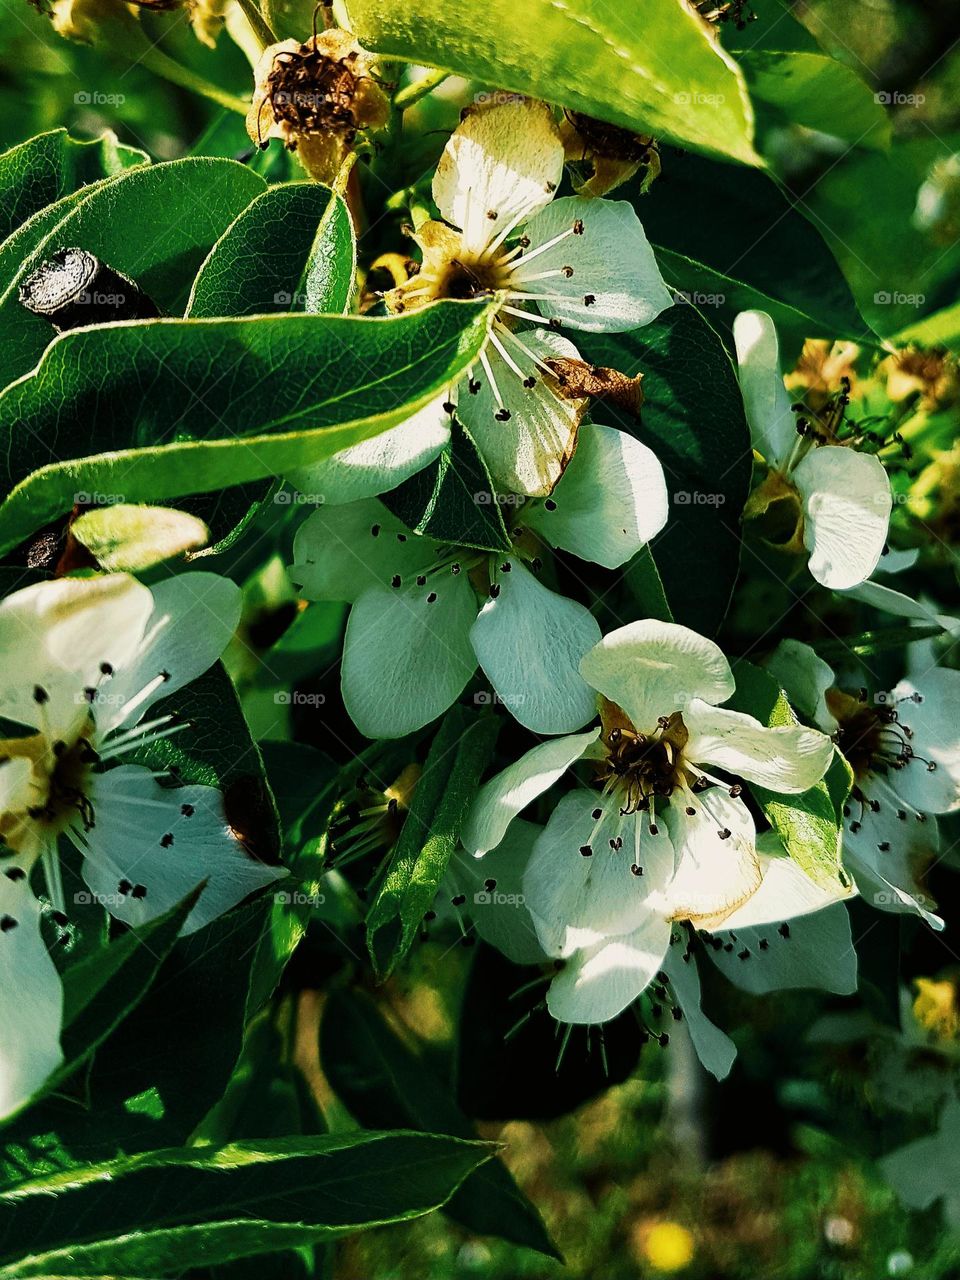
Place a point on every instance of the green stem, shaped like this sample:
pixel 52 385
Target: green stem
pixel 339 184
pixel 419 89
pixel 161 63
pixel 258 23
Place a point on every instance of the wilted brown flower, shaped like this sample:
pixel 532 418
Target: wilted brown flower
pixel 613 155
pixel 316 97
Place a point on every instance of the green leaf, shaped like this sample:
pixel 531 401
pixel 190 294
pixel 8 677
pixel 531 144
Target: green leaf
pixel 664 74
pixel 940 329
pixel 106 984
pixel 755 250
pixel 145 402
pixel 693 419
pixel 125 538
pixel 816 91
pixel 458 755
pixel 163 1211
pixel 809 825
pixel 291 249
pixel 43 169
pixel 645 585
pixel 216 750
pixel 382 1079
pixel 453 499
pixel 154 224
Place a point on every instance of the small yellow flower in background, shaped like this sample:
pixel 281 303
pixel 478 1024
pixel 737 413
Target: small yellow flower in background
pixel 930 373
pixel 821 369
pixel 936 1008
pixel 316 97
pixel 665 1246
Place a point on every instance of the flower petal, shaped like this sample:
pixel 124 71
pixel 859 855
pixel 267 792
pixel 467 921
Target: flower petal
pixel 773 425
pixel 717 864
pixel 787 759
pixel 406 657
pixel 339 552
pixel 615 282
pixel 57 634
pixel 31 999
pixel 599 982
pixel 194 618
pixel 504 160
pixel 529 642
pixel 927 709
pixel 379 464
pixel 610 501
pixel 846 506
pixel 785 892
pixel 493 886
pixel 528 451
pixel 879 596
pixel 814 951
pixel 509 792
pixel 805 679
pixel 577 901
pixel 151 845
pixel 713 1047
pixel 888 845
pixel 652 668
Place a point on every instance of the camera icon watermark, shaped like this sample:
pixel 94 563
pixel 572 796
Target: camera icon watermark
pixel 684 297
pixel 697 99
pixel 296 698
pixel 486 698
pixel 493 898
pixel 294 498
pixel 895 98
pixel 298 898
pixel 93 498
pixel 698 498
pixel 94 98
pixel 897 298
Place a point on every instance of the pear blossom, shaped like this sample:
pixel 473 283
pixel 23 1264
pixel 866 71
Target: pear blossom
pixel 835 501
pixel 552 262
pixel 659 838
pixel 84 661
pixel 424 614
pixel 790 933
pixel 903 746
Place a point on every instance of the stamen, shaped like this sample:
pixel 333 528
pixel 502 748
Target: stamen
pixel 547 244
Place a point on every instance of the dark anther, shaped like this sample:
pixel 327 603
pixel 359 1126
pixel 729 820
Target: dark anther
pixel 589 299
pixel 432 598
pixel 166 840
pixel 494 590
pixel 473 386
pixel 15 874
pixel 784 930
pixel 459 900
pixel 421 580
pixel 586 851
pixel 7 923
pixel 40 695
pixel 187 810
pixel 578 227
pixel 374 531
pixel 502 415
pixel 690 811
pixel 530 382
pixel 597 814
pixel 124 887
pixel 395 581
pixel 550 505
pixel 636 870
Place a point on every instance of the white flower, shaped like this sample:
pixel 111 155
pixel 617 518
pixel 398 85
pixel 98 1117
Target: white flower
pixel 556 263
pixel 904 748
pixel 836 501
pixel 754 948
pixel 661 839
pixel 84 660
pixel 414 637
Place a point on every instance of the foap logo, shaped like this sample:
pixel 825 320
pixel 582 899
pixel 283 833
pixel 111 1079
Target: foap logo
pixel 299 898
pixel 284 299
pixel 696 99
pixel 487 499
pixel 297 698
pixel 698 498
pixel 684 297
pixel 896 298
pixel 486 698
pixel 83 498
pixel 895 98
pixel 294 498
pixel 494 898
pixel 497 98
pixel 94 98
